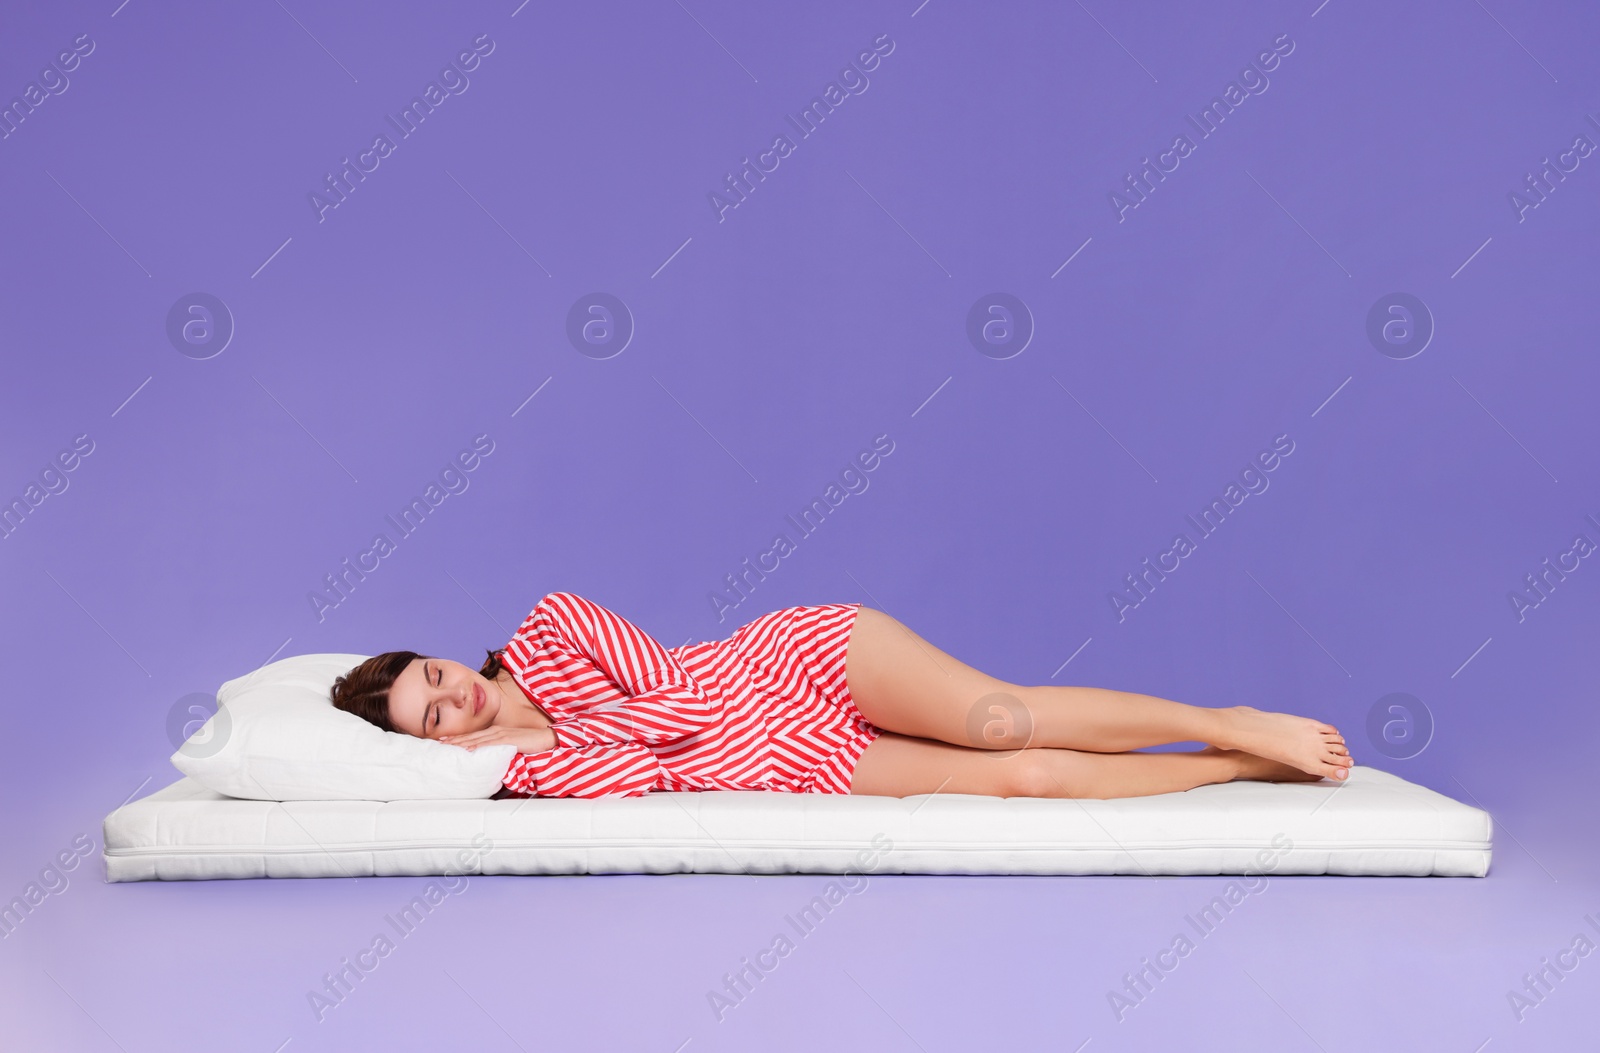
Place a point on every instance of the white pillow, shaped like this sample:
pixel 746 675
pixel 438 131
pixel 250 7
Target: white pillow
pixel 276 736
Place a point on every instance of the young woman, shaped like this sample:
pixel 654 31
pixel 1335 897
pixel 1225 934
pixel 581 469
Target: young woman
pixel 838 698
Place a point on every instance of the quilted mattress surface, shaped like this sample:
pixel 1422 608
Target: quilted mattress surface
pixel 1374 824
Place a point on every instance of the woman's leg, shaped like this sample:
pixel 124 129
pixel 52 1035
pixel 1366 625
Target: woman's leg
pixel 901 766
pixel 904 684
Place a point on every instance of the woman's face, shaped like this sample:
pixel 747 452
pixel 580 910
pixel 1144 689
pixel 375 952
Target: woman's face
pixel 435 696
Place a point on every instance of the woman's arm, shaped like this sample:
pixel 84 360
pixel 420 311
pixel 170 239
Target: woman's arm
pixel 614 768
pixel 542 766
pixel 652 700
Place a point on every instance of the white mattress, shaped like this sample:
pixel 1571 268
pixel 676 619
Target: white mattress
pixel 1376 823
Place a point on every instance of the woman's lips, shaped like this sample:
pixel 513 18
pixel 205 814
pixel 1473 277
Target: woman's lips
pixel 477 698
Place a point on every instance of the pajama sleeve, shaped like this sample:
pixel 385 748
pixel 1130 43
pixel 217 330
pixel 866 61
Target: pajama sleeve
pixel 637 692
pixel 615 768
pixel 613 693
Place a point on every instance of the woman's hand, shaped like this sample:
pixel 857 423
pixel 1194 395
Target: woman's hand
pixel 527 740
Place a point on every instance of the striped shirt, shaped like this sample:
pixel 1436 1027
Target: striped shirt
pixel 767 708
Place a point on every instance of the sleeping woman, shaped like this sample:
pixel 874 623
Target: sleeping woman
pixel 838 698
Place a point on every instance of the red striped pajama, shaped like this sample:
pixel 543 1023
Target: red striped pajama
pixel 766 709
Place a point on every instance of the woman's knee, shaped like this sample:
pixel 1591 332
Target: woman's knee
pixel 1042 773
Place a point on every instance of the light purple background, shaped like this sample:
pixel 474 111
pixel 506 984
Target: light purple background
pixel 828 308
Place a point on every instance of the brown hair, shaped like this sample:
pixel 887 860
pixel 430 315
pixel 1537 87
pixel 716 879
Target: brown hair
pixel 364 690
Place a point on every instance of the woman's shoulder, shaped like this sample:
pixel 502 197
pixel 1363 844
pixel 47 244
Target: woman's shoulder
pixel 565 603
pixel 564 611
pixel 558 600
pixel 555 610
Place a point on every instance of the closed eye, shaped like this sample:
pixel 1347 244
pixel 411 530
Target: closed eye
pixel 434 680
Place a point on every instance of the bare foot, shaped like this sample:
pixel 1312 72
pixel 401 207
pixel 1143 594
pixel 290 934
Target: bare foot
pixel 1300 742
pixel 1261 769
